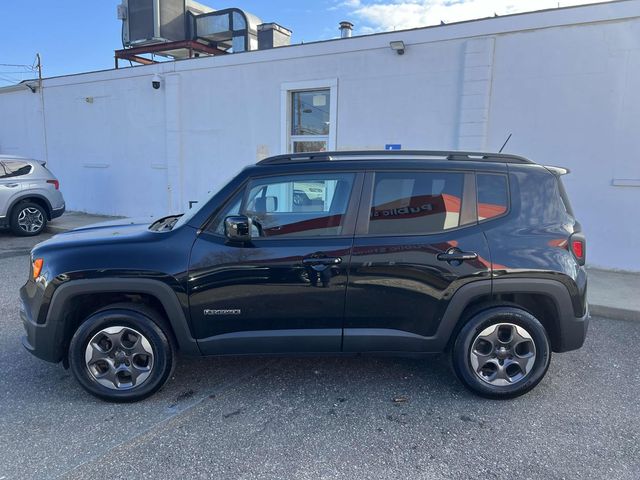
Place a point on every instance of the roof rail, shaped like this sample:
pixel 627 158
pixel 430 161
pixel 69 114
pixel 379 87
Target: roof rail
pixel 425 154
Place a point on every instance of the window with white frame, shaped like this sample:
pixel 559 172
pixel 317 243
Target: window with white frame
pixel 310 120
pixel 309 116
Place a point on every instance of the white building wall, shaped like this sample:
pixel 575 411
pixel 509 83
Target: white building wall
pixel 563 82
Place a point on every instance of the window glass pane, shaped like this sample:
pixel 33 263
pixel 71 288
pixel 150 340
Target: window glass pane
pixel 310 112
pixel 415 202
pixel 14 169
pixel 493 199
pixel 304 147
pixel 299 205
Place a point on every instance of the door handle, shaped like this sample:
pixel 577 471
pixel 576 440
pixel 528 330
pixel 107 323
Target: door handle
pixel 322 261
pixel 11 185
pixel 456 255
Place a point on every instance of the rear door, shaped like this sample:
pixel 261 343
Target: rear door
pixel 285 290
pixel 417 241
pixel 10 185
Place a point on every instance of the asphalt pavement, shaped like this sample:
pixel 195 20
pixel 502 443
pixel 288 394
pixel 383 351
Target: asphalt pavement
pixel 319 417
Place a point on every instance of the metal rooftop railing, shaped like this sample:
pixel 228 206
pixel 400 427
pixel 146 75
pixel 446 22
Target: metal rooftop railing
pixel 385 154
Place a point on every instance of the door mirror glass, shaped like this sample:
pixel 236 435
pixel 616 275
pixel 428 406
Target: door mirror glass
pixel 237 228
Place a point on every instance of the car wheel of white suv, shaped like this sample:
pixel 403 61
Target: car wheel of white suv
pixel 28 219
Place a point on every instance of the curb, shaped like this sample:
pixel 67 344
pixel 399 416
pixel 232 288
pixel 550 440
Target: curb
pixel 58 229
pixel 614 313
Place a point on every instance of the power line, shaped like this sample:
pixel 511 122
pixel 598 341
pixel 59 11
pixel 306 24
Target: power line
pixel 15 65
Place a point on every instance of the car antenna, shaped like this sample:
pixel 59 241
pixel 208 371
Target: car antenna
pixel 505 143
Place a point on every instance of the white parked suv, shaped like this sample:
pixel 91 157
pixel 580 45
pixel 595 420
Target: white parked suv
pixel 29 195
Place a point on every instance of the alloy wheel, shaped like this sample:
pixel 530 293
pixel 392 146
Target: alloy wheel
pixel 30 220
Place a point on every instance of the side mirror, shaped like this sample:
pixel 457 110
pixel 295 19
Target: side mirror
pixel 238 228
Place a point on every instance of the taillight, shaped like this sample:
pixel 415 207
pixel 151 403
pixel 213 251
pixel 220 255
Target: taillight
pixel 578 247
pixel 55 183
pixel 37 267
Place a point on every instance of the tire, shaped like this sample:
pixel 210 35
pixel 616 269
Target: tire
pixel 28 219
pixel 131 353
pixel 501 352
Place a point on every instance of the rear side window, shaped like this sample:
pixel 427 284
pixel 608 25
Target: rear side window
pixel 493 196
pixel 415 203
pixel 14 169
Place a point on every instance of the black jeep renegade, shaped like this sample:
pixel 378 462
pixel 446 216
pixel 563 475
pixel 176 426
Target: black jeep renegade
pixel 407 253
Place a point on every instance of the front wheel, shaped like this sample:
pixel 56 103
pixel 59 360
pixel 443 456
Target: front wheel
pixel 502 352
pixel 121 353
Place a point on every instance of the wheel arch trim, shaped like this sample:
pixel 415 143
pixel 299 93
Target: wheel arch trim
pixel 162 292
pixel 27 196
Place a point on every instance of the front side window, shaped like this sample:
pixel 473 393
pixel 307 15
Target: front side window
pixel 298 205
pixel 14 169
pixel 310 121
pixel 415 203
pixel 493 196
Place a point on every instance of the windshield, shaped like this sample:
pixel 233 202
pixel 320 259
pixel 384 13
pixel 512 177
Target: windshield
pixel 197 206
pixel 189 214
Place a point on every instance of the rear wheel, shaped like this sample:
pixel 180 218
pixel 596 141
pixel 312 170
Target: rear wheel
pixel 502 352
pixel 121 353
pixel 28 219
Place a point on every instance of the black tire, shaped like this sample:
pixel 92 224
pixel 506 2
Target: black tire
pixel 139 319
pixel 30 208
pixel 468 336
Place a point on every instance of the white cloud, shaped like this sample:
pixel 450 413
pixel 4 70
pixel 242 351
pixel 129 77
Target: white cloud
pixel 380 15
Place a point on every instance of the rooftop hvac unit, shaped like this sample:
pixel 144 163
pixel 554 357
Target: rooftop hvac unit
pixel 153 21
pixel 184 28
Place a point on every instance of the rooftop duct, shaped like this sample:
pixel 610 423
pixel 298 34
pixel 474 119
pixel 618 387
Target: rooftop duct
pixel 346 29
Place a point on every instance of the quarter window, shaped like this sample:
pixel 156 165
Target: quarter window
pixel 414 203
pixel 14 169
pixel 493 196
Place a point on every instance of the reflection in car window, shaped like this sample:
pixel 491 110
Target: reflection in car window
pixel 493 197
pixel 14 169
pixel 415 202
pixel 299 205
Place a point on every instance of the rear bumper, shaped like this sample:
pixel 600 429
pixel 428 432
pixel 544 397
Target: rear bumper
pixel 58 212
pixel 573 331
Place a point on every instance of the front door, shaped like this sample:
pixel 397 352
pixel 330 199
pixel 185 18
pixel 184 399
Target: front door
pixel 285 290
pixel 417 242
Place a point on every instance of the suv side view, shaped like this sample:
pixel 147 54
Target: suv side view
pixel 29 195
pixel 406 253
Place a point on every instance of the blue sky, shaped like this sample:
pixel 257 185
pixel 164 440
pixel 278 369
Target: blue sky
pixel 80 35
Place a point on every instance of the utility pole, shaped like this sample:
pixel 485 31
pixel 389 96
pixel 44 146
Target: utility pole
pixel 44 120
pixel 39 67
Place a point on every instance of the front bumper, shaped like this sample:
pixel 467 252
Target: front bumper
pixel 44 340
